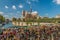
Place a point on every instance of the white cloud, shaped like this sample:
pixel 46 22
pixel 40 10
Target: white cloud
pixel 6 6
pixel 1 12
pixel 35 0
pixel 28 2
pixel 14 7
pixel 35 12
pixel 6 16
pixel 56 1
pixel 20 6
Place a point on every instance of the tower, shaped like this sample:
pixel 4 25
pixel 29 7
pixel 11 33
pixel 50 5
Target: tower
pixel 23 13
pixel 30 9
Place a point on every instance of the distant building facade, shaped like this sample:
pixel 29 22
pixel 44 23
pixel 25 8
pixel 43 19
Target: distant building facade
pixel 31 15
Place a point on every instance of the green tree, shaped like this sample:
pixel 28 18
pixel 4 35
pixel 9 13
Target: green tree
pixel 14 19
pixel 19 20
pixel 2 19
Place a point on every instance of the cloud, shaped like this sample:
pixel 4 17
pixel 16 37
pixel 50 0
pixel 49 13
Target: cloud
pixel 35 12
pixel 5 15
pixel 28 2
pixel 20 6
pixel 35 0
pixel 56 1
pixel 1 12
pixel 14 7
pixel 6 6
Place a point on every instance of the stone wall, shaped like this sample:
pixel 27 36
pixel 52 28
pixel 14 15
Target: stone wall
pixel 32 23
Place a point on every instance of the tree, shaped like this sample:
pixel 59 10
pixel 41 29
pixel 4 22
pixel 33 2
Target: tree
pixel 2 19
pixel 19 20
pixel 14 19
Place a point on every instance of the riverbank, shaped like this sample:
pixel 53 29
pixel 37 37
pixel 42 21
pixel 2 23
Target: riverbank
pixel 33 23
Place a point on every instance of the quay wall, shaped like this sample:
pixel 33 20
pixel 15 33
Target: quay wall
pixel 29 24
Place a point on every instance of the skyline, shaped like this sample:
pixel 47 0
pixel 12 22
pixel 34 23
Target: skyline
pixel 13 8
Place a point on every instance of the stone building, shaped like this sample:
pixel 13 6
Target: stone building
pixel 29 15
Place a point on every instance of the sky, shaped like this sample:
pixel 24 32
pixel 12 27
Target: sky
pixel 13 8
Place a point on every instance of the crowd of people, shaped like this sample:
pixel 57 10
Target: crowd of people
pixel 31 33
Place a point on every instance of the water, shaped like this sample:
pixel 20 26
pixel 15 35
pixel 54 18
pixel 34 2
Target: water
pixel 9 25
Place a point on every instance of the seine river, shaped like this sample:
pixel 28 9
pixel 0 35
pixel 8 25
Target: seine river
pixel 9 25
